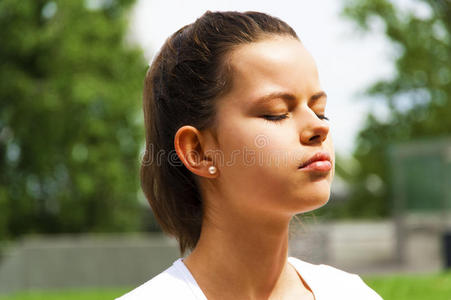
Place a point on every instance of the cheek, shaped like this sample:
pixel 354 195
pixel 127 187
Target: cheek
pixel 256 146
pixel 256 163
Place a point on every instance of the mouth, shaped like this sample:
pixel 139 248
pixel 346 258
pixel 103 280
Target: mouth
pixel 319 162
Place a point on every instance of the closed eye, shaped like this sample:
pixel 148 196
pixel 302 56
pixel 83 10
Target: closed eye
pixel 323 117
pixel 276 119
pixel 279 118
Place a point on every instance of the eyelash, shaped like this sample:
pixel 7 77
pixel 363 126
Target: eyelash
pixel 280 118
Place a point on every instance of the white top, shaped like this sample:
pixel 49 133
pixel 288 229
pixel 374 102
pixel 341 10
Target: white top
pixel 326 283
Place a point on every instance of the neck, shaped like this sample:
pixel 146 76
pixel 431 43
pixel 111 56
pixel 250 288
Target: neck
pixel 248 255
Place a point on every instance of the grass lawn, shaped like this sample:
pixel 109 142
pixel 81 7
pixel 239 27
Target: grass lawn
pixel 88 294
pixel 412 287
pixel 405 287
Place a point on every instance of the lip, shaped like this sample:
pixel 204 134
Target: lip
pixel 319 162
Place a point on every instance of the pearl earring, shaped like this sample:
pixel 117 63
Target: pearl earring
pixel 212 170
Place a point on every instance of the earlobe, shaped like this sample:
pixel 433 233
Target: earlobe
pixel 188 145
pixel 212 170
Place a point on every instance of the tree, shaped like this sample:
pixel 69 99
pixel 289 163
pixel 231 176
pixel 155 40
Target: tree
pixel 418 97
pixel 70 90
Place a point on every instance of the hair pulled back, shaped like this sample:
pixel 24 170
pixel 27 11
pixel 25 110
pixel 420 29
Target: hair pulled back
pixel 182 84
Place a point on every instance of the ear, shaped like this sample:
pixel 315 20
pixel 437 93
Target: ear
pixel 190 146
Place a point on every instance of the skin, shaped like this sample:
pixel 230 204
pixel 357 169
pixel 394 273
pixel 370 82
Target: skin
pixel 248 204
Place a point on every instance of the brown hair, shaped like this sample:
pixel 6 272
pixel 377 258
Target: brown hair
pixel 186 77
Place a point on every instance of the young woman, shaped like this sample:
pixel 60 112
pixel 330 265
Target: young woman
pixel 237 144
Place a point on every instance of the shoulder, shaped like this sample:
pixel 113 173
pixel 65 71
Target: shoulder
pixel 328 282
pixel 168 285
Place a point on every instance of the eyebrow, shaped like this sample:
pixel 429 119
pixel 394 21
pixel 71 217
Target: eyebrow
pixel 288 96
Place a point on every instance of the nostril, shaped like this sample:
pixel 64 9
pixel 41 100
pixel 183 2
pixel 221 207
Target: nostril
pixel 314 137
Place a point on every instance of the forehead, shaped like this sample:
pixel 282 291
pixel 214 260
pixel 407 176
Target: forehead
pixel 276 63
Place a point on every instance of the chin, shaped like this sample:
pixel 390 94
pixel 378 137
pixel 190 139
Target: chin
pixel 320 203
pixel 313 201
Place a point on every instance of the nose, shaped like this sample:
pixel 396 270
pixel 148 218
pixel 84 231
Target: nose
pixel 315 130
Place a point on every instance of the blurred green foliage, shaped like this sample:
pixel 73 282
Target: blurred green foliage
pixel 418 96
pixel 70 118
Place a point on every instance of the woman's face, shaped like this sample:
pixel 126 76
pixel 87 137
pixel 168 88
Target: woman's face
pixel 268 125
